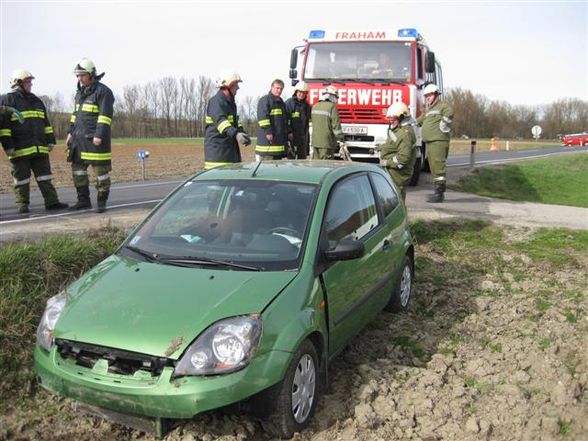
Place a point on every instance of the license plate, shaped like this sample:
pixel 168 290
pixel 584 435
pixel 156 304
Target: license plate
pixel 355 130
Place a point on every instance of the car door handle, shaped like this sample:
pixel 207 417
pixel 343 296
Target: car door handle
pixel 386 244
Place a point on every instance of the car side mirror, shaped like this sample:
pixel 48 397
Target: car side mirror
pixel 345 250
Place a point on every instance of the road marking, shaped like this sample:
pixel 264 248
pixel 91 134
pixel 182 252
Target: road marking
pixel 123 187
pixel 49 216
pixel 499 161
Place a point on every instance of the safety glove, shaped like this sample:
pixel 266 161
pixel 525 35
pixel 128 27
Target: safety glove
pixel 243 139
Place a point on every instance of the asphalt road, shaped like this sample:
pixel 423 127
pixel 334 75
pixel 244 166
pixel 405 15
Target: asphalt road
pixel 145 195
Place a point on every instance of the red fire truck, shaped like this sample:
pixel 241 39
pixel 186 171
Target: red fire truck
pixel 578 139
pixel 371 70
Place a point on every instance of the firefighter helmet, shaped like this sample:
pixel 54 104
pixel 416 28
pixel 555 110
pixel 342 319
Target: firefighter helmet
pixel 431 88
pixel 85 66
pixel 397 110
pixel 18 76
pixel 301 87
pixel 227 78
pixel 331 90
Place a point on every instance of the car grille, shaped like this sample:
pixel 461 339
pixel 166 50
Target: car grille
pixel 119 361
pixel 359 115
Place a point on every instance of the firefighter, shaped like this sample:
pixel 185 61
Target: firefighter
pixel 326 125
pixel 27 138
pixel 88 138
pixel 273 132
pixel 435 121
pixel 398 154
pixel 224 134
pixel 299 116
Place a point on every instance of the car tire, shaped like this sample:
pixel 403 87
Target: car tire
pixel 291 403
pixel 402 292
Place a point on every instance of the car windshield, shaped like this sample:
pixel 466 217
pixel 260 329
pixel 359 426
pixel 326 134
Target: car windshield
pixel 237 225
pixel 349 61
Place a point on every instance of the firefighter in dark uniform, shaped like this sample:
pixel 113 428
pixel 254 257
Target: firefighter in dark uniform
pixel 88 138
pixel 224 134
pixel 273 132
pixel 435 121
pixel 326 125
pixel 398 154
pixel 299 115
pixel 27 138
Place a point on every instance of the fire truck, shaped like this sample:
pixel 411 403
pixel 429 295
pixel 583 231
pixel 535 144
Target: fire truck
pixel 371 70
pixel 578 139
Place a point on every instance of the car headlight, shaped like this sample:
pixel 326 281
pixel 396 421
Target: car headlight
pixel 226 346
pixel 52 312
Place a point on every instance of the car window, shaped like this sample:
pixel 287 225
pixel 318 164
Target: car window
pixel 386 195
pixel 351 210
pixel 262 223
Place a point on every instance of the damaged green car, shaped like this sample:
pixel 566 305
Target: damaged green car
pixel 241 286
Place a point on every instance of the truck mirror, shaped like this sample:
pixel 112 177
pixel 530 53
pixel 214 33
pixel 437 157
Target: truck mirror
pixel 294 58
pixel 430 62
pixel 293 74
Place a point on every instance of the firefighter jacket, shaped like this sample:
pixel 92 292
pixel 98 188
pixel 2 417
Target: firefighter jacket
pixel 435 121
pixel 31 138
pixel 222 125
pixel 92 117
pixel 398 151
pixel 299 116
pixel 326 126
pixel 272 119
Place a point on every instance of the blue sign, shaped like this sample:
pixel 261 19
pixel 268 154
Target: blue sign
pixel 141 154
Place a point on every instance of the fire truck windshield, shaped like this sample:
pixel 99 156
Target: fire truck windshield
pixel 360 61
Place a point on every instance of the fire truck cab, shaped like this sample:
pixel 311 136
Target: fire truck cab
pixel 371 70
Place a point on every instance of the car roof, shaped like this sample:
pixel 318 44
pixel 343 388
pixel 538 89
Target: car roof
pixel 311 172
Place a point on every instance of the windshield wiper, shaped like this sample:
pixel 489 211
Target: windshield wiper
pixel 204 261
pixel 150 257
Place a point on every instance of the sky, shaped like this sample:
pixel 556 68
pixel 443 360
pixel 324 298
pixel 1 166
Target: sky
pixel 520 52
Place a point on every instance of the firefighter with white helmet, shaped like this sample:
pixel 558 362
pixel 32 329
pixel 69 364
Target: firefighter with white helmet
pixel 27 137
pixel 435 122
pixel 299 115
pixel 273 131
pixel 89 135
pixel 398 154
pixel 224 134
pixel 326 125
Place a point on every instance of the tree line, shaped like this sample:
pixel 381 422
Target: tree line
pixel 172 107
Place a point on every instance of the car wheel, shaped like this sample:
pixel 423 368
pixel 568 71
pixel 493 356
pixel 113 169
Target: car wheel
pixel 402 292
pixel 293 400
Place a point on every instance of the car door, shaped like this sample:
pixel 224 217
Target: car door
pixel 356 289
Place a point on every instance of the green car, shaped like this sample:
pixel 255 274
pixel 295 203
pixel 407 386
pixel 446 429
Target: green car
pixel 241 286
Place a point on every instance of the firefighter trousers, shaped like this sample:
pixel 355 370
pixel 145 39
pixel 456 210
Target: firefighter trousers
pixel 102 173
pixel 437 152
pixel 21 173
pixel 320 153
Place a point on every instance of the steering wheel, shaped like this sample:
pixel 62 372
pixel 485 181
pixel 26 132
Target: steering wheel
pixel 285 230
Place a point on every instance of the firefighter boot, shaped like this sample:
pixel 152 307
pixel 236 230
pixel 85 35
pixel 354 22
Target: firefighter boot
pixel 83 199
pixel 438 195
pixel 102 198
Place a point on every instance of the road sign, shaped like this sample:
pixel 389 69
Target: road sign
pixel 141 154
pixel 536 131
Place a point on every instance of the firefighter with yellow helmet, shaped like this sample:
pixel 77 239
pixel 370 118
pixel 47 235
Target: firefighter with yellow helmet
pixel 326 125
pixel 224 134
pixel 299 114
pixel 398 154
pixel 89 135
pixel 435 121
pixel 27 138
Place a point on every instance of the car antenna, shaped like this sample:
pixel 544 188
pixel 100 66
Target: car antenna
pixel 257 166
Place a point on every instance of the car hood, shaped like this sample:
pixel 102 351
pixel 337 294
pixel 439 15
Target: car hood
pixel 159 309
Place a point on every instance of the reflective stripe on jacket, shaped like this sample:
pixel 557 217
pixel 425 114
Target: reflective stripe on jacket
pixel 92 117
pixel 222 125
pixel 299 116
pixel 31 138
pixel 272 119
pixel 326 126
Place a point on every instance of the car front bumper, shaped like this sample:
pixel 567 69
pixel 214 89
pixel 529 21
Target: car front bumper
pixel 161 396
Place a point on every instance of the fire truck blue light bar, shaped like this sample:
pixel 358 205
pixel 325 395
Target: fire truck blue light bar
pixel 408 32
pixel 317 34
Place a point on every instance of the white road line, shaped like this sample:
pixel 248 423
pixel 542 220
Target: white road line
pixel 124 187
pixel 49 216
pixel 498 161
